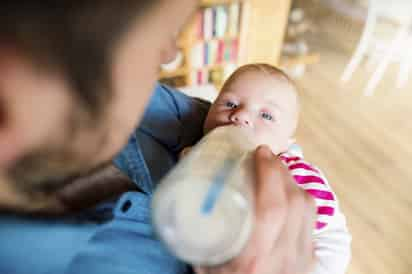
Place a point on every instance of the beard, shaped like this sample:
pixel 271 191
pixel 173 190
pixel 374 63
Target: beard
pixel 45 172
pixel 41 175
pixel 52 190
pixel 48 169
pixel 44 179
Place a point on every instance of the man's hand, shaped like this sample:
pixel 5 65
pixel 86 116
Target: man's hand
pixel 281 242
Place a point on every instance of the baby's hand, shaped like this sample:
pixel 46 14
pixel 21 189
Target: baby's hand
pixel 184 152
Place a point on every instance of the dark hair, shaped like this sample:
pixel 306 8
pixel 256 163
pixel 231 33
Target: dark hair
pixel 75 38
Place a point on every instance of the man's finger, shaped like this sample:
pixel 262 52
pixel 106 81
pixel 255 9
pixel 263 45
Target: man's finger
pixel 287 245
pixel 306 239
pixel 270 191
pixel 270 196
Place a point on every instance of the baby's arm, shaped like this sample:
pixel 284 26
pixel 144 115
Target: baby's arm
pixel 331 236
pixel 332 247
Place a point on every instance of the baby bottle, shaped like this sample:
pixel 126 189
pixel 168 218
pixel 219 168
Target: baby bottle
pixel 203 209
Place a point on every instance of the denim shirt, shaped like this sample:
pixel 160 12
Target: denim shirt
pixel 171 122
pixel 126 243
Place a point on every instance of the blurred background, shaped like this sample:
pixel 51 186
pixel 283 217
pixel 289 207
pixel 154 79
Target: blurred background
pixel 351 60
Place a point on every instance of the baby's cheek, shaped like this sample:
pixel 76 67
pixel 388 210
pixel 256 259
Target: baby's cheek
pixel 271 137
pixel 263 134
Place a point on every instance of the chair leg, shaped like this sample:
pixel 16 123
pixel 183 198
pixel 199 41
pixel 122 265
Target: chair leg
pixel 371 62
pixel 361 48
pixel 380 70
pixel 404 72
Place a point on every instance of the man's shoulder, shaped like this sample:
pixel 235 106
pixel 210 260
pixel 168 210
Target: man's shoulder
pixel 168 98
pixel 172 121
pixel 174 118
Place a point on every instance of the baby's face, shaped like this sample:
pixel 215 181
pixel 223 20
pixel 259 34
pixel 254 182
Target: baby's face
pixel 265 104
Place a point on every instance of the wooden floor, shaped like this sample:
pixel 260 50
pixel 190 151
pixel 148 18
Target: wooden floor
pixel 363 144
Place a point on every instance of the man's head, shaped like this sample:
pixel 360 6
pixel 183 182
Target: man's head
pixel 75 77
pixel 261 98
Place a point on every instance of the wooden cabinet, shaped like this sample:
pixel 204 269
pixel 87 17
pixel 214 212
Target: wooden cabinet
pixel 259 37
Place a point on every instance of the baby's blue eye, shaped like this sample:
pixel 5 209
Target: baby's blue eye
pixel 231 104
pixel 267 116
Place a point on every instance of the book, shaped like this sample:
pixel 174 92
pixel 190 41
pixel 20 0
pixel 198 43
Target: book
pixel 207 23
pixel 214 14
pixel 227 51
pixel 221 21
pixel 193 77
pixel 206 54
pixel 233 21
pixel 220 51
pixel 196 55
pixel 234 51
pixel 216 76
pixel 199 77
pixel 203 77
pixel 213 51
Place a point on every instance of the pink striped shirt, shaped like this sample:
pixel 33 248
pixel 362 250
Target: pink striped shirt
pixel 312 181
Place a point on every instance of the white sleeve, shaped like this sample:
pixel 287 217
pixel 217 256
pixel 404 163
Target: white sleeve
pixel 332 240
pixel 332 243
pixel 333 246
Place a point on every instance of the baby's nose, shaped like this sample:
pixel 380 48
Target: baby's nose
pixel 241 118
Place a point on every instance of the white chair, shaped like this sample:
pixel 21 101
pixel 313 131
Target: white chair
pixel 397 50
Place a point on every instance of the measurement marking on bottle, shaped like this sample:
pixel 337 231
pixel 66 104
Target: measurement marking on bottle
pixel 216 187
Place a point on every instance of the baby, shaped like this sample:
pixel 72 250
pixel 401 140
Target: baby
pixel 263 99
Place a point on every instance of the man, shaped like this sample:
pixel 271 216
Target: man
pixel 75 77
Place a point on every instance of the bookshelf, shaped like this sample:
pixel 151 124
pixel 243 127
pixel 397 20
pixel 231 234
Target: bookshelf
pixel 225 34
